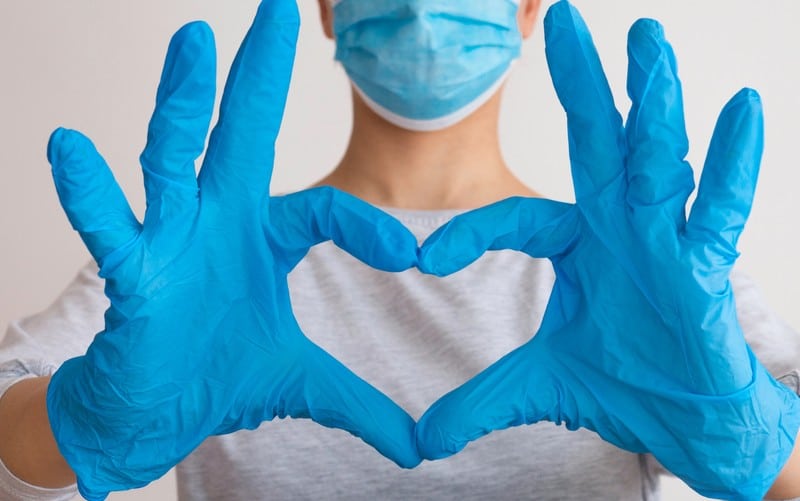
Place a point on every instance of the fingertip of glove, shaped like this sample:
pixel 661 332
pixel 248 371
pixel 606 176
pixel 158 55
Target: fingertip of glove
pixel 427 262
pixel 410 462
pixel 197 29
pixel 188 81
pixel 198 33
pixel 408 247
pixel 746 95
pixel 563 14
pixel 559 9
pixel 646 27
pixel 278 11
pixel 745 103
pixel 647 44
pixel 650 59
pixel 402 245
pixel 432 446
pixel 61 146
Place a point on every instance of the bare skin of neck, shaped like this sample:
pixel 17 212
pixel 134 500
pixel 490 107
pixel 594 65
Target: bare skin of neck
pixel 460 167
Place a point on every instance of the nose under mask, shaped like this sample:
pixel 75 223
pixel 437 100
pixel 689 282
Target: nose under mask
pixel 425 65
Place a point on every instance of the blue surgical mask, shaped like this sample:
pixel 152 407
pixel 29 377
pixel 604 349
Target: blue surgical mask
pixel 426 64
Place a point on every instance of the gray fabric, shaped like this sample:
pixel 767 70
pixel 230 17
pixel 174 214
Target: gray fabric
pixel 414 337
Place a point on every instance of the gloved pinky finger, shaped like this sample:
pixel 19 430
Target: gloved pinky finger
pixel 728 183
pixel 337 398
pixel 89 194
pixel 511 392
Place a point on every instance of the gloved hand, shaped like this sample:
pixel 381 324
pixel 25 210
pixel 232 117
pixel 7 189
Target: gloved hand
pixel 640 341
pixel 200 337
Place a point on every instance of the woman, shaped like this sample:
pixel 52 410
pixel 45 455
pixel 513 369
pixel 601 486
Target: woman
pixel 414 337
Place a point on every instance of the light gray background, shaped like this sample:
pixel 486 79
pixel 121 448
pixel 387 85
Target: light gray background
pixel 95 65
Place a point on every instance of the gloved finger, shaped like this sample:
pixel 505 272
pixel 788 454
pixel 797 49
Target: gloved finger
pixel 596 140
pixel 178 128
pixel 89 194
pixel 335 397
pixel 239 160
pixel 730 174
pixel 301 220
pixel 656 129
pixel 535 226
pixel 511 392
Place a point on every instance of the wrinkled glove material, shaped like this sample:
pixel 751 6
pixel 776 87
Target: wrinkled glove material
pixel 200 338
pixel 640 341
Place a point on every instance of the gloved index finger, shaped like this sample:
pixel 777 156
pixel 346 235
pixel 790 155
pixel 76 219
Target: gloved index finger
pixel 301 220
pixel 535 226
pixel 728 183
pixel 239 159
pixel 596 139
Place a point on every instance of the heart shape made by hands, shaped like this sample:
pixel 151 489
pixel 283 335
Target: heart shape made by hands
pixel 639 343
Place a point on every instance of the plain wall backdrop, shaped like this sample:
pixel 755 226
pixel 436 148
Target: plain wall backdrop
pixel 94 66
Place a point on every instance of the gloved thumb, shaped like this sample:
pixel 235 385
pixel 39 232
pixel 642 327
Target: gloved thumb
pixel 513 391
pixel 335 397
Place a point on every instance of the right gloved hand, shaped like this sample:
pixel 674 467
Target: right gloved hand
pixel 200 338
pixel 640 341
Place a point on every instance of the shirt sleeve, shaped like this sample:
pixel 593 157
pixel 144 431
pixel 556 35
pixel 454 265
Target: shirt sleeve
pixel 38 345
pixel 775 343
pixel 12 488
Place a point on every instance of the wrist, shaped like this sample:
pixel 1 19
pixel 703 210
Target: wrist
pixel 27 446
pixel 787 485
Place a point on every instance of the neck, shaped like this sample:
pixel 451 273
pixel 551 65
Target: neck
pixel 460 167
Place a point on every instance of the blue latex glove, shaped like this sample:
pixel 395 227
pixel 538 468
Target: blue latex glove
pixel 640 340
pixel 200 338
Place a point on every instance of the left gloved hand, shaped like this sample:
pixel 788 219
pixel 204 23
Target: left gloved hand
pixel 640 341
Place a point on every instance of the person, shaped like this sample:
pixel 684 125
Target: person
pixel 413 336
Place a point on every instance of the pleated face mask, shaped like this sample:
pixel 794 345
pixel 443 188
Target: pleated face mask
pixel 426 64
